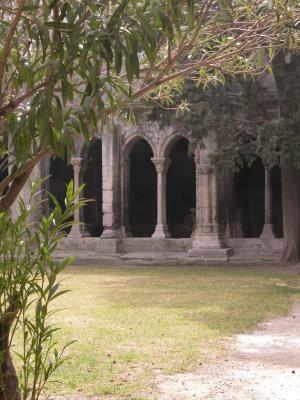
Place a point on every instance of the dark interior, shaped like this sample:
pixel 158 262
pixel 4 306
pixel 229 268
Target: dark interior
pixel 61 173
pixel 249 198
pixel 181 191
pixel 92 177
pixel 142 190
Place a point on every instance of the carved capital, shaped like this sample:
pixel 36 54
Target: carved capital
pixel 161 164
pixel 76 162
pixel 197 159
pixel 204 169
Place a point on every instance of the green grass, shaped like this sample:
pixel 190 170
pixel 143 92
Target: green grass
pixel 131 323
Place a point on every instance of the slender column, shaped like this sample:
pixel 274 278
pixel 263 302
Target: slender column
pixel 45 172
pixel 77 230
pixel 125 197
pixel 267 232
pixel 161 165
pixel 111 200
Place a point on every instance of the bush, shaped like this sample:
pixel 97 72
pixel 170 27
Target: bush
pixel 28 286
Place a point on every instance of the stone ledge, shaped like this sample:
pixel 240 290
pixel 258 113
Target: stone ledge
pixel 208 255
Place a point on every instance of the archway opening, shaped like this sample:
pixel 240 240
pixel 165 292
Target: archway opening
pixel 92 177
pixel 181 190
pixel 142 190
pixel 61 173
pixel 249 195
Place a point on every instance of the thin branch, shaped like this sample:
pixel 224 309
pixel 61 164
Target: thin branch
pixel 8 43
pixel 30 164
pixel 13 104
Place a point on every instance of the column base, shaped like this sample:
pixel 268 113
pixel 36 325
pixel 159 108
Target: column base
pixel 110 245
pixel 209 248
pixel 161 232
pixel 267 232
pixel 110 233
pixel 78 232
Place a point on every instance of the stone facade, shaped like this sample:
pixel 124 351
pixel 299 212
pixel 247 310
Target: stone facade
pixel 159 193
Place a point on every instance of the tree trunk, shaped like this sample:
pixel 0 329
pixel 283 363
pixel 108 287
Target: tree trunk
pixel 10 382
pixel 287 77
pixel 9 389
pixel 9 385
pixel 291 212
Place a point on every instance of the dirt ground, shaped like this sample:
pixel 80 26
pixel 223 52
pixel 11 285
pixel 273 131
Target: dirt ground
pixel 262 365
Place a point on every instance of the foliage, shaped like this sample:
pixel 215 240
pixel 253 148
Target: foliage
pixel 68 66
pixel 244 117
pixel 28 287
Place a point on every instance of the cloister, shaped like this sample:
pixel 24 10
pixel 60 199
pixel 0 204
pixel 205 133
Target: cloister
pixel 155 190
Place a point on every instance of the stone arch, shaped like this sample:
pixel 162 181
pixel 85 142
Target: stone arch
pixel 132 139
pixel 169 141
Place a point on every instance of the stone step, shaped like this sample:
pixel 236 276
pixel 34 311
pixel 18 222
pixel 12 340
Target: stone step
pixel 255 257
pixel 168 258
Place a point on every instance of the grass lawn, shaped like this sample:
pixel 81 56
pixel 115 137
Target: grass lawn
pixel 132 323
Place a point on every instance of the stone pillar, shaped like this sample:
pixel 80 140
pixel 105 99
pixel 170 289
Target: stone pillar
pixel 161 166
pixel 125 197
pixel 207 243
pixel 77 230
pixel 206 199
pixel 111 201
pixel 45 175
pixel 267 232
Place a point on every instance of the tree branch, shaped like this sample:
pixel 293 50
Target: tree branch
pixel 8 43
pixel 13 104
pixel 29 165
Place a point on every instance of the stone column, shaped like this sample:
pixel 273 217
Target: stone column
pixel 77 230
pixel 267 232
pixel 207 228
pixel 45 175
pixel 125 197
pixel 161 166
pixel 111 201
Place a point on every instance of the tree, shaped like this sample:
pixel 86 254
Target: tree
pixel 287 75
pixel 67 66
pixel 28 286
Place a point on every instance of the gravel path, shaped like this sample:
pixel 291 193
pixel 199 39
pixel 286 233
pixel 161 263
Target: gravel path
pixel 264 365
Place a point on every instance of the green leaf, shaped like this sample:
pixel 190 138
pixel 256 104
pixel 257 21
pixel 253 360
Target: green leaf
pixel 115 18
pixel 52 3
pixel 129 68
pixel 59 25
pixel 84 130
pixel 118 57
